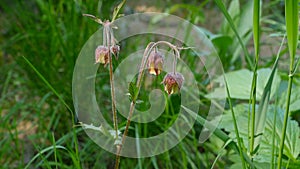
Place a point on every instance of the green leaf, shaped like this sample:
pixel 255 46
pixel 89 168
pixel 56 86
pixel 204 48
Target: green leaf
pixel 234 12
pixel 222 42
pixel 133 91
pixel 239 84
pixel 264 103
pixel 223 9
pixel 256 26
pixel 294 102
pixel 291 18
pixel 218 132
pixel 244 29
pixel 292 142
pixel 117 9
pixel 44 151
pixel 239 140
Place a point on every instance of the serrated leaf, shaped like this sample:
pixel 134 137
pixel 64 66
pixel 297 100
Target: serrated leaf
pixel 295 99
pixel 292 142
pixel 133 91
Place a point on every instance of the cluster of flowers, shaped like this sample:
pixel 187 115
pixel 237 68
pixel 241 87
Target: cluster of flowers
pixel 173 81
pixel 109 46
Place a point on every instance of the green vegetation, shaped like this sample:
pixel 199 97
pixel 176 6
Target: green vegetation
pixel 257 43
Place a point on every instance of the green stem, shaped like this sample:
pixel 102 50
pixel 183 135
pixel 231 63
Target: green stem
pixel 256 39
pixel 235 127
pixel 291 19
pixel 253 98
pixel 273 139
pixel 285 121
pixel 151 46
pixel 132 104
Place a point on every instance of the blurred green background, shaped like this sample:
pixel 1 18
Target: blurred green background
pixel 51 33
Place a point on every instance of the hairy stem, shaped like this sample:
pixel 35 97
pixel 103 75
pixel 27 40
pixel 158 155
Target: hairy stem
pixel 151 46
pixel 109 36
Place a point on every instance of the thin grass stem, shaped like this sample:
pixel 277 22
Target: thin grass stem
pixel 235 127
pixel 291 18
pixel 256 39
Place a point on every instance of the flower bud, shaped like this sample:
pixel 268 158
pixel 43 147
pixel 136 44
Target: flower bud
pixel 115 49
pixel 102 54
pixel 155 62
pixel 173 82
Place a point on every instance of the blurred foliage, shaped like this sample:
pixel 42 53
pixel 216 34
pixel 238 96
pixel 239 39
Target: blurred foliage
pixel 51 33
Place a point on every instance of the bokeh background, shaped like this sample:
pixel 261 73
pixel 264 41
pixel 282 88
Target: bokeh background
pixel 51 33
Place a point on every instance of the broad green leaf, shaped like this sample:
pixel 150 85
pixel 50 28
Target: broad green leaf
pixel 292 142
pixel 239 84
pixel 295 99
pixel 236 128
pixel 222 42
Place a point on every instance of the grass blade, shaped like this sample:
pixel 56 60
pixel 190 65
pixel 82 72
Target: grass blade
pixel 256 27
pixel 223 9
pixel 291 19
pixel 264 103
pixel 219 133
pixel 49 85
pixel 256 39
pixel 42 152
pixel 240 145
pixel 54 148
pixel 65 104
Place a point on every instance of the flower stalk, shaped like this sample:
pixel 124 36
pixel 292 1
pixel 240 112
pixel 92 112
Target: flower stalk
pixel 150 48
pixel 103 55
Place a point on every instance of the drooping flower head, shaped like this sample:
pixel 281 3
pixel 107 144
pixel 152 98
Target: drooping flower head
pixel 173 82
pixel 155 62
pixel 115 49
pixel 102 55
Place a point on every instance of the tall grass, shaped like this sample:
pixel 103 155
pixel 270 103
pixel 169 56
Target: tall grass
pixel 44 37
pixel 224 11
pixel 292 22
pixel 240 143
pixel 256 39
